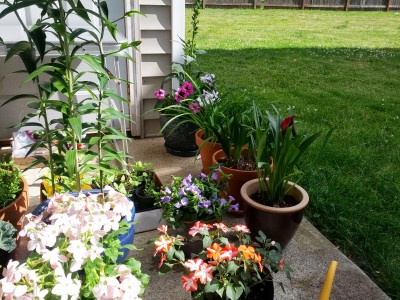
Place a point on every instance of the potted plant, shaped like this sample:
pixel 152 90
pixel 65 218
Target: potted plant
pixel 188 199
pixel 139 184
pixel 14 200
pixel 229 264
pixel 273 203
pixel 179 134
pixel 75 253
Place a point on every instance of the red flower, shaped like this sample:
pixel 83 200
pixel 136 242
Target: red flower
pixel 286 124
pixel 229 252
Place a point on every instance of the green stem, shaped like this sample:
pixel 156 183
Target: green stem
pixel 64 44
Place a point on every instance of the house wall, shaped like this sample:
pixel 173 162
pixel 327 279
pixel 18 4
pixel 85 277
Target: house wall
pixel 159 30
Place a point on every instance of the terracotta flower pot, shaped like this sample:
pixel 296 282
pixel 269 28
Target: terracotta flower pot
pixel 237 179
pixel 207 149
pixel 279 224
pixel 15 210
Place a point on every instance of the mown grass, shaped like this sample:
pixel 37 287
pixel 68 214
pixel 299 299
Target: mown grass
pixel 339 69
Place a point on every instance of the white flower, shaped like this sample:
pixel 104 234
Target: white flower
pixel 107 288
pixel 54 257
pixel 66 286
pixel 130 287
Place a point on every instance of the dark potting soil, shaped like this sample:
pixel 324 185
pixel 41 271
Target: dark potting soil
pixel 288 200
pixel 244 163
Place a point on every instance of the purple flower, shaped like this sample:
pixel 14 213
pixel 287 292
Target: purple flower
pixel 188 87
pixel 207 78
pixel 182 192
pixel 222 201
pixel 165 199
pixel 180 94
pixel 195 107
pixel 159 94
pixel 210 211
pixel 184 201
pixel 167 190
pixel 234 207
pixel 194 189
pixel 214 176
pixel 177 205
pixel 231 199
pixel 204 203
pixel 214 197
pixel 203 176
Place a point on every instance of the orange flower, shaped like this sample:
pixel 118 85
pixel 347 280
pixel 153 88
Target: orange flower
pixel 162 259
pixel 248 252
pixel 214 252
pixel 162 245
pixel 258 259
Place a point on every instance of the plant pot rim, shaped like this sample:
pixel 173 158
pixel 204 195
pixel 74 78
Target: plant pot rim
pixel 219 155
pixel 251 186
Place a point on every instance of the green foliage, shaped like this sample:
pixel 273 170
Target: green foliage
pixel 58 75
pixel 7 236
pixel 10 183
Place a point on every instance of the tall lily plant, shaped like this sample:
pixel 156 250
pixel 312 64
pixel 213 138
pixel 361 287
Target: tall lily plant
pixel 278 149
pixel 57 74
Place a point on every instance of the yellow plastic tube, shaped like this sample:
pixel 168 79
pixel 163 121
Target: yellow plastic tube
pixel 327 287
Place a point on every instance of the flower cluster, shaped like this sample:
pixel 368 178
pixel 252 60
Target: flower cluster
pixel 193 94
pixel 228 264
pixel 75 252
pixel 189 199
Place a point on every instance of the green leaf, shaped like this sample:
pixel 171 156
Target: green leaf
pixel 179 254
pixel 18 47
pixel 104 8
pixel 76 126
pixel 39 71
pixel 39 38
pixel 232 267
pixel 94 64
pixel 16 6
pixel 21 96
pixel 212 286
pixel 7 236
pixel 207 241
pixel 70 157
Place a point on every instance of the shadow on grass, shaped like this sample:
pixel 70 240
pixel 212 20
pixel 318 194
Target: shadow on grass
pixel 354 185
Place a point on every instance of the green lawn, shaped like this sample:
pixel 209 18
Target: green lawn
pixel 334 68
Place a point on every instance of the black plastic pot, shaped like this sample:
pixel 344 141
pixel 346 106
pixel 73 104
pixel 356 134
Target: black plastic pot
pixel 142 203
pixel 179 138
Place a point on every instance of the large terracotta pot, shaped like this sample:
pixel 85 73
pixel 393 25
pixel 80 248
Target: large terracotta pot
pixel 15 210
pixel 237 179
pixel 279 224
pixel 179 138
pixel 207 149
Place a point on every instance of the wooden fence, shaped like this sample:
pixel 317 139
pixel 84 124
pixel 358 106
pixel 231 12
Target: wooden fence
pixel 346 5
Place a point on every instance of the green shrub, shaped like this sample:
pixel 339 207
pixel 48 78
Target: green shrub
pixel 10 183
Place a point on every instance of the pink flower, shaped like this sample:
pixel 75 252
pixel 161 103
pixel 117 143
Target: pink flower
pixel 159 94
pixel 195 107
pixel 222 227
pixel 189 283
pixel 163 229
pixel 242 228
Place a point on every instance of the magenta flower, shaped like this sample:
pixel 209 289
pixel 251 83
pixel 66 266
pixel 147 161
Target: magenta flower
pixel 188 87
pixel 159 94
pixel 181 94
pixel 195 107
